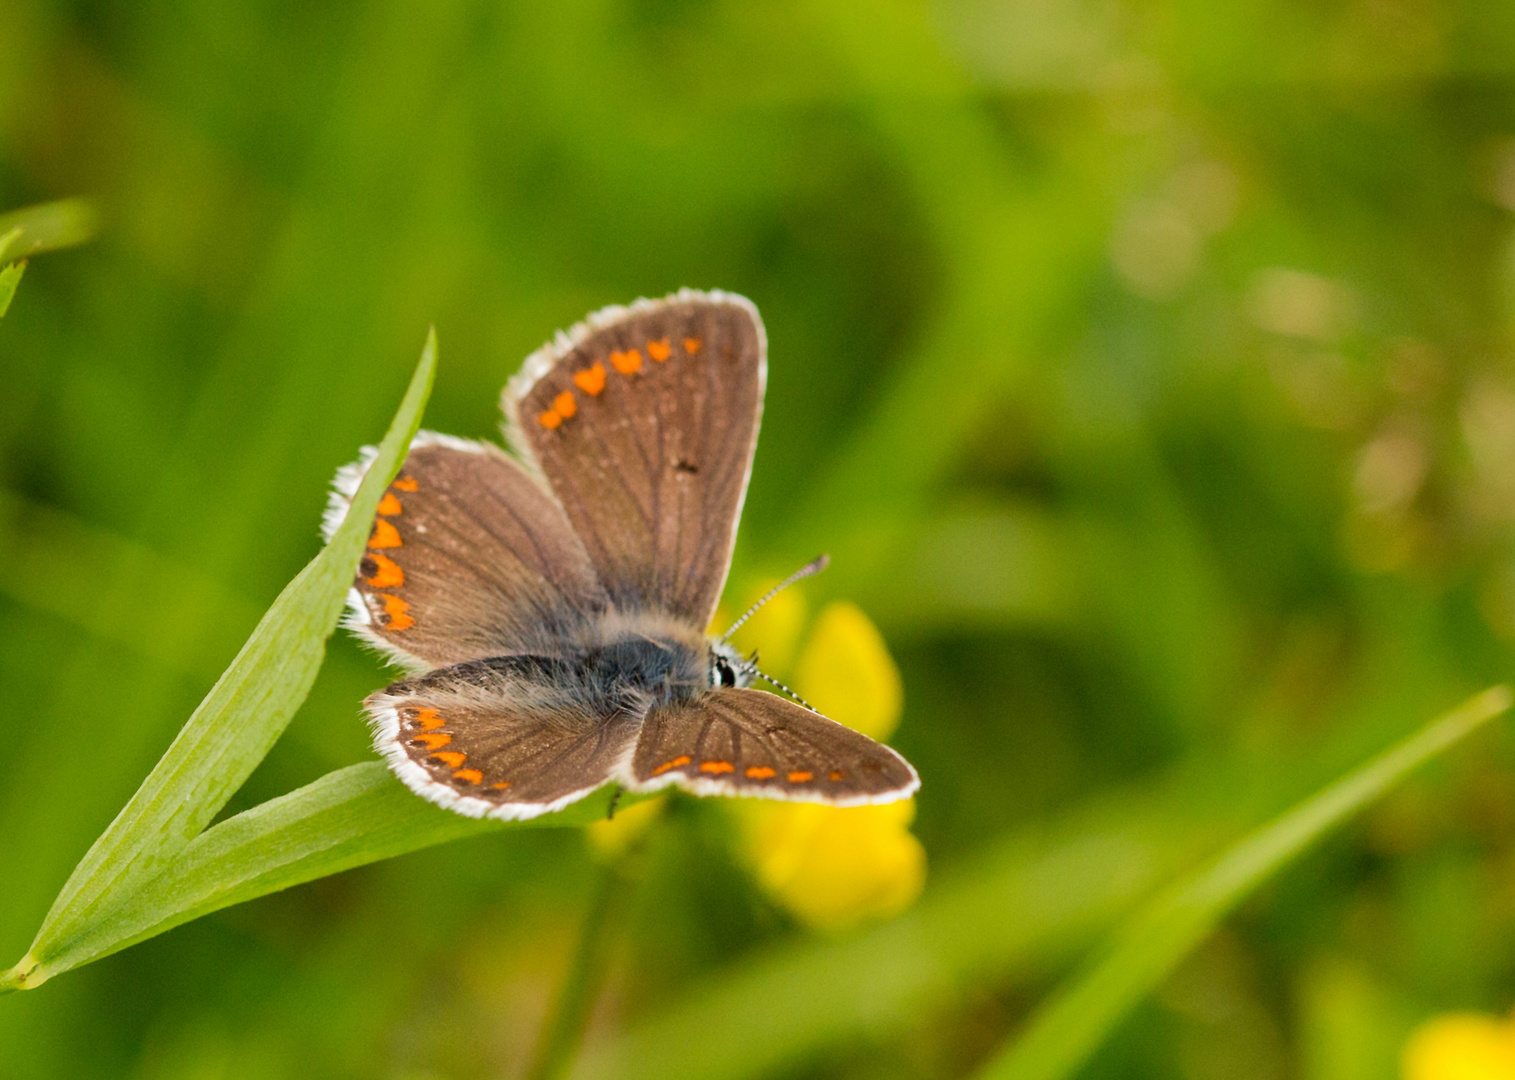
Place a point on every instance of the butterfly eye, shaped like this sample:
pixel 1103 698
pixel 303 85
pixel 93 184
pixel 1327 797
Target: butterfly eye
pixel 724 674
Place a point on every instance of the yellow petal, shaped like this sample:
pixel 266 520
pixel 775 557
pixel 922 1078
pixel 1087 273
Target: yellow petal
pixel 846 672
pixel 1461 1046
pixel 836 867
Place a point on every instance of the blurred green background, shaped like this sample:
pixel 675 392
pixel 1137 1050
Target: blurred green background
pixel 1147 367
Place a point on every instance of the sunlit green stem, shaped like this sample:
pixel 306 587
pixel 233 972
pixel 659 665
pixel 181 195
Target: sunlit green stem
pixel 568 1016
pixel 24 976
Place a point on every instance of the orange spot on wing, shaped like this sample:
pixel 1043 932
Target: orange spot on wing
pixel 693 345
pixel 405 483
pixel 717 767
pixel 659 350
pixel 591 380
pixel 565 405
pixel 434 741
pixel 799 776
pixel 396 609
pixel 387 573
pixel 628 362
pixel 759 772
pixel 682 759
pixel 837 774
pixel 550 419
pixel 428 719
pixel 501 786
pixel 451 758
pixel 471 776
pixel 385 535
pixel 389 505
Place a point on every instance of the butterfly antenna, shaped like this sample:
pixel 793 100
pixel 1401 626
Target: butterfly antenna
pixel 769 678
pixel 810 569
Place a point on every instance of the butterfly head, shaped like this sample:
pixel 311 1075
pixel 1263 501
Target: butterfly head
pixel 727 666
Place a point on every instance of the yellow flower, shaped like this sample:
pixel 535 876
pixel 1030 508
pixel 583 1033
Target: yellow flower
pixel 847 673
pixel 832 867
pixel 835 867
pixel 1461 1046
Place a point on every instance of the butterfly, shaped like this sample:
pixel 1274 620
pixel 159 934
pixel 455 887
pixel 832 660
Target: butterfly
pixel 551 606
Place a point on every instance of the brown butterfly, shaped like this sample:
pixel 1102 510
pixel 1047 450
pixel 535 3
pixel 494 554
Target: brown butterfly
pixel 552 605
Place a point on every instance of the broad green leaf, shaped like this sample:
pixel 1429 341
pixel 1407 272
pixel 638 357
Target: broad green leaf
pixel 47 227
pixel 10 277
pixel 1063 1034
pixel 230 732
pixel 348 818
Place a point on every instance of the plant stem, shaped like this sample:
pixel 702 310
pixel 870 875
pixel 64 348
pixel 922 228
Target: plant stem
pixel 568 1016
pixel 16 978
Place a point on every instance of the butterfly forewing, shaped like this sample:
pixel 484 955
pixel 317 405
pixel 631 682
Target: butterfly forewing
pixel 511 737
pixel 746 742
pixel 469 557
pixel 644 421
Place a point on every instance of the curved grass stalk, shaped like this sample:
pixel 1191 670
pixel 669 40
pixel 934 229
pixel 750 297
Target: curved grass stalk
pixel 1066 1031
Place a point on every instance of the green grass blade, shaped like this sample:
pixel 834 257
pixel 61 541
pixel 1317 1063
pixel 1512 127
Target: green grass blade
pixel 348 818
pixel 1066 1031
pixel 47 227
pixel 10 277
pixel 234 726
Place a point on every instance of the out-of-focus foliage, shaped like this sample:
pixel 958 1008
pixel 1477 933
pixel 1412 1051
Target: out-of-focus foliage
pixel 1146 367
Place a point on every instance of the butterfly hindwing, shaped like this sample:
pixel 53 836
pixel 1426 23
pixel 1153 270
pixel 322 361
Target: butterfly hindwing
pixel 746 742
pixel 511 737
pixel 644 420
pixel 469 556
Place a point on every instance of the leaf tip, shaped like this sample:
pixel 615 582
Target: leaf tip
pixel 426 369
pixel 10 277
